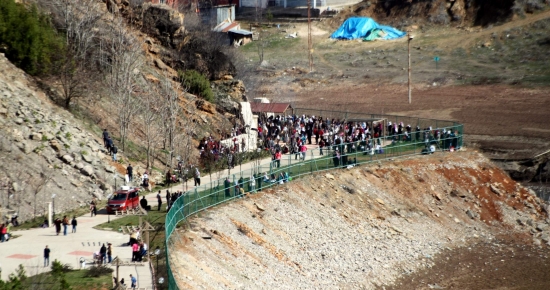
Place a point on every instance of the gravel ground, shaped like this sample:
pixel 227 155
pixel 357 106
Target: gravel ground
pixel 362 228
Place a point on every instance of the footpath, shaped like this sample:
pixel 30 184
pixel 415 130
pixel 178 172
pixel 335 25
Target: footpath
pixel 27 249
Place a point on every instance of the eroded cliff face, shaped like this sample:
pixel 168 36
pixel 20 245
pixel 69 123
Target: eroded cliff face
pixel 444 12
pixel 357 228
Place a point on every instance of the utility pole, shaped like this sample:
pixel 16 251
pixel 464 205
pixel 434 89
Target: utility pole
pixel 309 42
pixel 409 39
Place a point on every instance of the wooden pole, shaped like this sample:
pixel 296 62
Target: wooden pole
pixel 117 265
pixel 148 246
pixel 409 53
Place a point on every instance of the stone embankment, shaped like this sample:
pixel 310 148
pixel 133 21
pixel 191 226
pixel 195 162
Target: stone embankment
pixel 44 150
pixel 354 229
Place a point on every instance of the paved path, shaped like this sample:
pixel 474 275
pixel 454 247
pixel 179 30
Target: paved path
pixel 28 248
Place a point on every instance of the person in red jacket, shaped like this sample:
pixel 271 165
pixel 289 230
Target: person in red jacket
pixel 278 156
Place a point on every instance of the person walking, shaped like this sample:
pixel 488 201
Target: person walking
pixel 197 177
pixel 133 282
pixel 130 171
pixel 168 198
pixel 109 253
pixel 74 223
pixel 65 225
pixel 115 151
pixel 103 253
pixel 57 223
pixel 135 252
pixel 159 200
pixel 92 208
pixel 46 256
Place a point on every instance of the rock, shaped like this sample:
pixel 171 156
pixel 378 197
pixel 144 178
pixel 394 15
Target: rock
pixel 205 106
pixel 15 186
pixel 67 158
pixel 536 242
pixel 79 165
pixel 35 136
pixel 457 220
pixel 380 201
pixel 25 147
pixel 329 176
pixel 520 222
pixel 161 21
pixel 495 189
pixel 545 238
pixel 18 121
pixel 160 64
pixel 530 222
pixel 541 227
pixel 55 145
pixel 87 170
pixel 259 207
pixel 87 158
pixel 76 183
pixel 470 214
pixel 97 194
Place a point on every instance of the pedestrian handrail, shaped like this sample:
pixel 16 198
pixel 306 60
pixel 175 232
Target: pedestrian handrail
pixel 343 155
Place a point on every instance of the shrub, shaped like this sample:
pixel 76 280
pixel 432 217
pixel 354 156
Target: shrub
pixel 68 135
pixel 98 270
pixel 196 84
pixel 44 138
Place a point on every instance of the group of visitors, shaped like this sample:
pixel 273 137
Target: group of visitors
pixel 5 231
pixel 64 223
pixel 109 144
pixel 105 254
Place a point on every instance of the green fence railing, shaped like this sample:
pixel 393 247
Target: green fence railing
pixel 291 166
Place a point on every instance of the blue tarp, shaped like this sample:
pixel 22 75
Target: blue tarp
pixel 358 27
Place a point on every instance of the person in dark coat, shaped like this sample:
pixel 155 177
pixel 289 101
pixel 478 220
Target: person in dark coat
pixel 57 223
pixel 227 186
pixel 103 253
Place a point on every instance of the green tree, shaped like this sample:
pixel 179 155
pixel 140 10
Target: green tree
pixel 15 281
pixel 27 37
pixel 196 84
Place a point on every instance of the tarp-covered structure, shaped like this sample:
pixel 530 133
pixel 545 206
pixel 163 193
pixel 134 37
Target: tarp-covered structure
pixel 367 29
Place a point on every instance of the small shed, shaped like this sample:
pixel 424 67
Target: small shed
pixel 271 109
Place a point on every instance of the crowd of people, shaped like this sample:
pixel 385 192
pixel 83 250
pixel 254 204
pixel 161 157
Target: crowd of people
pixel 290 134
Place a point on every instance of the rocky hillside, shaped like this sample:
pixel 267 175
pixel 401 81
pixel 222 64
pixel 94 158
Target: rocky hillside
pixel 445 12
pixel 44 151
pixel 358 228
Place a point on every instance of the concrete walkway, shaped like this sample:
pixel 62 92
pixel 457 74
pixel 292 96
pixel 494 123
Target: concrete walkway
pixel 28 248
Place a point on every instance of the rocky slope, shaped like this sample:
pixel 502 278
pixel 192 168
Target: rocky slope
pixel 44 150
pixel 358 228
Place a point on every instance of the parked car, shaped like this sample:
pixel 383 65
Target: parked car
pixel 123 199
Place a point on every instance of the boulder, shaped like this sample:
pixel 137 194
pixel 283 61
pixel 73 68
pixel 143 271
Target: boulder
pixel 67 158
pixel 35 136
pixel 110 169
pixel 87 170
pixel 205 106
pixel 25 147
pixel 87 157
pixel 161 21
pixel 55 145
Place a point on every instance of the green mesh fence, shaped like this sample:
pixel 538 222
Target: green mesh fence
pixel 291 166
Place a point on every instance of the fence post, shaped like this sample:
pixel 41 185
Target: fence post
pixel 196 198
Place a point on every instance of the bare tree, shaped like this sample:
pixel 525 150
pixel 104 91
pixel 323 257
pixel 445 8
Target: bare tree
pixel 79 20
pixel 149 114
pixel 172 96
pixel 123 59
